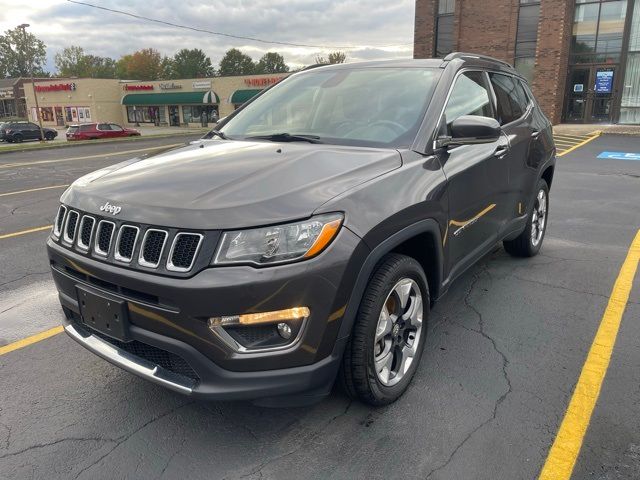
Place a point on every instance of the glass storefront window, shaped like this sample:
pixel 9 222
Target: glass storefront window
pixel 193 113
pixel 611 27
pixel 146 114
pixel 630 105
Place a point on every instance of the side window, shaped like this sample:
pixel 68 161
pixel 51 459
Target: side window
pixel 103 126
pixel 512 101
pixel 115 127
pixel 468 97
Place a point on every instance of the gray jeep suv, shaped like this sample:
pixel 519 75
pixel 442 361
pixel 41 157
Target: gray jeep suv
pixel 306 239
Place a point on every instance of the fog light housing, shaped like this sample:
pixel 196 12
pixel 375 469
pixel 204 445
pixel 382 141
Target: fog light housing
pixel 260 331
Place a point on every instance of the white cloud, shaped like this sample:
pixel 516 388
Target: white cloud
pixel 370 25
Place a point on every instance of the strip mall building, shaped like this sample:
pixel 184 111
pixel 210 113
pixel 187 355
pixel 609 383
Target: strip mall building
pixel 163 103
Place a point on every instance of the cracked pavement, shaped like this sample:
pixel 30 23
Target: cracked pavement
pixel 504 351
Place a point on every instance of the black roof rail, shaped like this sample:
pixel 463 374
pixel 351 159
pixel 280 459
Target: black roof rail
pixel 454 55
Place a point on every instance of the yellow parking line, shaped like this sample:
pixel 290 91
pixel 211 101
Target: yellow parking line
pixel 24 232
pixel 88 157
pixel 25 342
pixel 571 137
pixel 580 144
pixel 32 190
pixel 566 447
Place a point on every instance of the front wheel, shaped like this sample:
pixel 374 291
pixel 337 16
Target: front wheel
pixel 389 333
pixel 528 243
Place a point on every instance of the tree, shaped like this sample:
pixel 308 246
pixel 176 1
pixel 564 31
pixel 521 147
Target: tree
pixel 334 57
pixel 73 62
pixel 145 64
pixel 271 62
pixel 19 51
pixel 235 62
pixel 191 63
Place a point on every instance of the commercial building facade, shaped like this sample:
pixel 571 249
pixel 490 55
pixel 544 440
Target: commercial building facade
pixel 181 102
pixel 582 57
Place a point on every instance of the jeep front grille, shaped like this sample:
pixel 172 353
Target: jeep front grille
pixel 70 228
pixel 183 251
pixel 152 247
pixel 104 235
pixel 126 243
pixel 86 231
pixel 165 250
pixel 57 228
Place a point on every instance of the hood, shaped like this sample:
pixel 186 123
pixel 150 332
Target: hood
pixel 217 184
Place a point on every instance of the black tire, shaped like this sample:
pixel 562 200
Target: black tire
pixel 17 138
pixel 523 245
pixel 358 376
pixel 49 136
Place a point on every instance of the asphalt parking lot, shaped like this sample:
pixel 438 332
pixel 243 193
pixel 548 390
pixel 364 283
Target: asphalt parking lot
pixel 505 350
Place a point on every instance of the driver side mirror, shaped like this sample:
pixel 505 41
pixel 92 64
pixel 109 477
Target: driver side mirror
pixel 471 130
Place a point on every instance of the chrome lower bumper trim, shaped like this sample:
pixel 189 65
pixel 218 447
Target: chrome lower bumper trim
pixel 125 360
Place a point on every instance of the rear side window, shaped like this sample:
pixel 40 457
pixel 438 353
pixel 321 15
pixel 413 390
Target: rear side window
pixel 104 126
pixel 85 128
pixel 511 98
pixel 469 96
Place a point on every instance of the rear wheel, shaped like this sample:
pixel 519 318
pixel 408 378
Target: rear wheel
pixel 388 336
pixel 49 136
pixel 528 243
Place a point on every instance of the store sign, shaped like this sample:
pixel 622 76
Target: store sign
pixel 604 81
pixel 170 86
pixel 201 84
pixel 57 87
pixel 619 156
pixel 261 82
pixel 130 88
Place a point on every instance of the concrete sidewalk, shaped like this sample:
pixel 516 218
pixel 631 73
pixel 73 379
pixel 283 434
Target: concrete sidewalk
pixel 587 129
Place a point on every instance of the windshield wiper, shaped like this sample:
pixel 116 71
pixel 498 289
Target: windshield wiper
pixel 287 137
pixel 215 133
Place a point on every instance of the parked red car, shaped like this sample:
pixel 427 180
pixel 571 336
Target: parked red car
pixel 94 131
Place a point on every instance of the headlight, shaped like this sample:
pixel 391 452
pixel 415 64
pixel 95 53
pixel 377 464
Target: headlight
pixel 279 243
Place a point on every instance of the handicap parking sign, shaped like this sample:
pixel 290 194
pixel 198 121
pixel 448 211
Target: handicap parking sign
pixel 619 156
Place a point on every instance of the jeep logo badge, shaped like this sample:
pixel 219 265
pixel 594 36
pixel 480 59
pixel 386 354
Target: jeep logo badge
pixel 112 209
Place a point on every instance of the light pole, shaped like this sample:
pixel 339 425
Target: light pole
pixel 23 27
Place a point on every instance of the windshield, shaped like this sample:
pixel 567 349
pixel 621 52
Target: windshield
pixel 377 107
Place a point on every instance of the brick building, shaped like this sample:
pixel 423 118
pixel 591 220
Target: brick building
pixel 582 57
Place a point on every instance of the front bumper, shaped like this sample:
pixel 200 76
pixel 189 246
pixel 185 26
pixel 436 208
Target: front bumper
pixel 170 314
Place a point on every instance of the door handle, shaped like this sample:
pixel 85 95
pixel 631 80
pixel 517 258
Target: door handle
pixel 501 151
pixel 535 135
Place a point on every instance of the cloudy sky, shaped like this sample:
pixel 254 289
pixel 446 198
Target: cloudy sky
pixel 377 29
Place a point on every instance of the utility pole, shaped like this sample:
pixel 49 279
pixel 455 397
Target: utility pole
pixel 23 27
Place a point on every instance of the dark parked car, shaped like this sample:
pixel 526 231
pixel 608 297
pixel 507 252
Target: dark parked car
pixel 308 238
pixel 21 131
pixel 94 131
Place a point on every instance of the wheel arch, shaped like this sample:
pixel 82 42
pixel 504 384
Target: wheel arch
pixel 422 241
pixel 547 174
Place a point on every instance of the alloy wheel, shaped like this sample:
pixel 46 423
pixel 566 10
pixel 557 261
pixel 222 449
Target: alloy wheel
pixel 539 218
pixel 398 332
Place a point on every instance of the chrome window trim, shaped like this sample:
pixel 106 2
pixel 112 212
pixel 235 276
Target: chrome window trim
pixel 65 237
pixel 96 247
pixel 79 244
pixel 57 231
pixel 141 259
pixel 170 266
pixel 116 253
